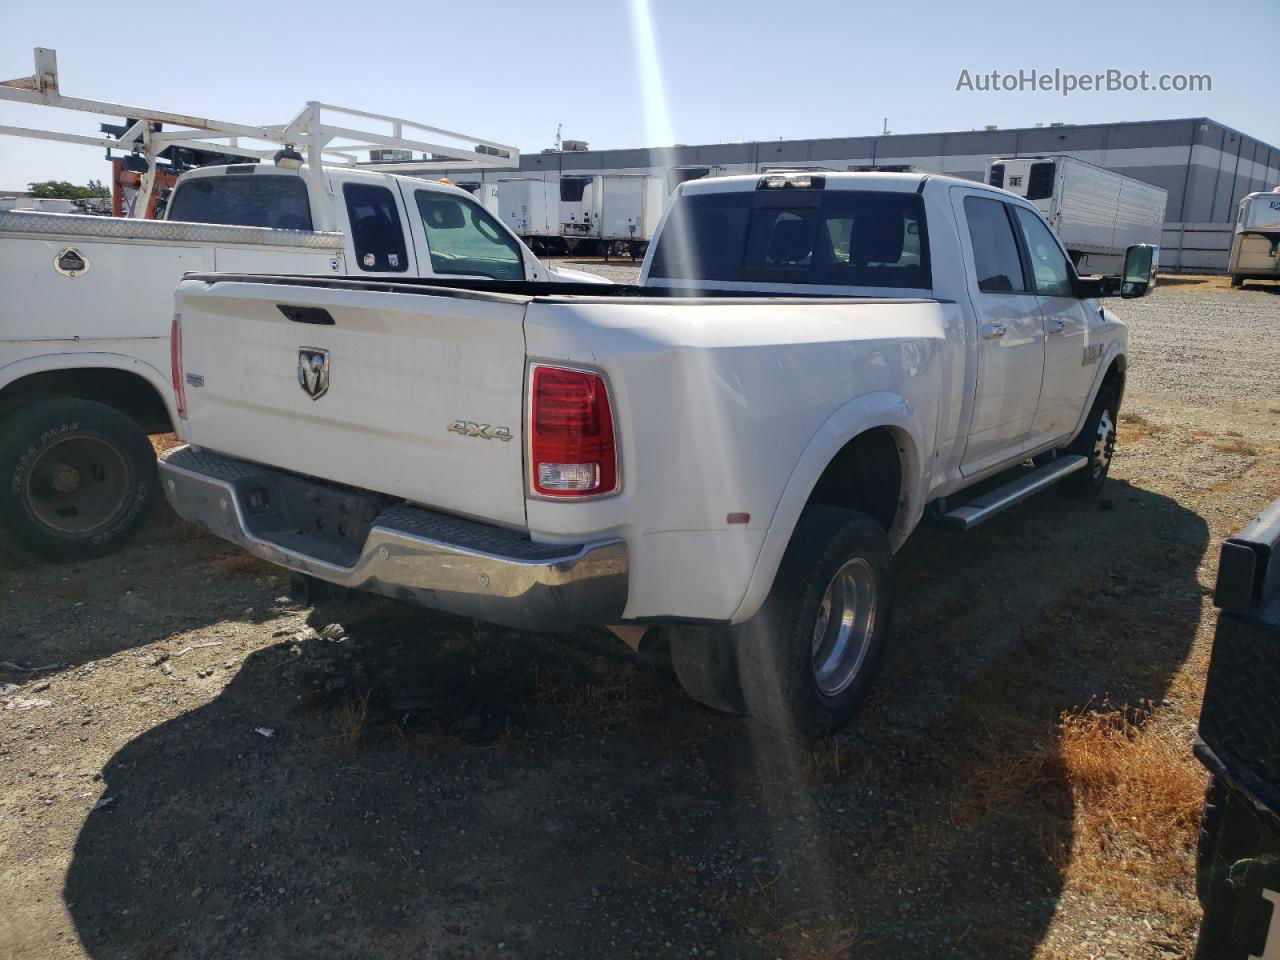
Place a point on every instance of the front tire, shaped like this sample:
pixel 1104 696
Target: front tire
pixel 79 478
pixel 806 660
pixel 1097 441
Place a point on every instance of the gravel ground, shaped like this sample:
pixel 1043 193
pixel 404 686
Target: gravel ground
pixel 209 769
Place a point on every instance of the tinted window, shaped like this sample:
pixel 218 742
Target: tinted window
pixel 834 238
pixel 995 253
pixel 1048 265
pixel 997 175
pixel 246 200
pixel 463 238
pixel 375 228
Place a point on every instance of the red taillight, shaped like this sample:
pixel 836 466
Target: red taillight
pixel 175 364
pixel 572 450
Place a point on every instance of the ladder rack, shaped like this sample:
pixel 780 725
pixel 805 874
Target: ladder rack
pixel 323 143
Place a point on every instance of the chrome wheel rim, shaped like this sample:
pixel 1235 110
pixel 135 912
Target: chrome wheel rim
pixel 1104 444
pixel 846 621
pixel 78 485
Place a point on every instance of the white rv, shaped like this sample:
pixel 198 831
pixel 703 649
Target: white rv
pixel 1254 246
pixel 1097 212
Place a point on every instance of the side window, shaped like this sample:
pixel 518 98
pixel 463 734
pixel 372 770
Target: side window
pixel 375 228
pixel 464 238
pixel 995 253
pixel 1048 265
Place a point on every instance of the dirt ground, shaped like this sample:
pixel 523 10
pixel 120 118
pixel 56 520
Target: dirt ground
pixel 204 768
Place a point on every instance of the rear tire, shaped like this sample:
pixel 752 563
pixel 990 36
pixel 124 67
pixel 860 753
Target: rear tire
pixel 1097 441
pixel 807 659
pixel 79 478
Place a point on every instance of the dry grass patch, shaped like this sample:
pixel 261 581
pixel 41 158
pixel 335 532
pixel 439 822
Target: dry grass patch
pixel 164 441
pixel 352 720
pixel 1137 791
pixel 1234 442
pixel 1135 427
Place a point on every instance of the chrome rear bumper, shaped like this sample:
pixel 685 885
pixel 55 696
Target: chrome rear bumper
pixel 410 553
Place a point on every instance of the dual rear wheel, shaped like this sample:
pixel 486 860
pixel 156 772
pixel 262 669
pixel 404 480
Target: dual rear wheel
pixel 804 663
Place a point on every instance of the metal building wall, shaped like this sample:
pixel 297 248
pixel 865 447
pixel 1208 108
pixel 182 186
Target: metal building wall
pixel 1205 167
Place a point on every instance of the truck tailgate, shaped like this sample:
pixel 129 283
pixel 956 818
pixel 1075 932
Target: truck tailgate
pixel 410 394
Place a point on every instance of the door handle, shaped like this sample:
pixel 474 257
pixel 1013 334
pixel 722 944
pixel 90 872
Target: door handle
pixel 993 331
pixel 1056 326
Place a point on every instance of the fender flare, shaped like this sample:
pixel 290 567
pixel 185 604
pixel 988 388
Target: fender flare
pixel 11 373
pixel 1115 351
pixel 867 412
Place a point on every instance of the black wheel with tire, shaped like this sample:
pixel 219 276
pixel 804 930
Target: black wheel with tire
pixel 1097 441
pixel 806 660
pixel 705 660
pixel 79 478
pixel 1237 280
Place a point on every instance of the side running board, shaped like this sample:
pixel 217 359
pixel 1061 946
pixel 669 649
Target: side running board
pixel 1001 498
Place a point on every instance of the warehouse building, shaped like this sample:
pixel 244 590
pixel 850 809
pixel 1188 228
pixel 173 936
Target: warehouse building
pixel 1206 167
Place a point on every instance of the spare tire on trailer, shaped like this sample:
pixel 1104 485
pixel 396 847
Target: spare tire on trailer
pixel 79 478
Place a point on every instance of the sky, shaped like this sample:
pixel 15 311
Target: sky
pixel 631 73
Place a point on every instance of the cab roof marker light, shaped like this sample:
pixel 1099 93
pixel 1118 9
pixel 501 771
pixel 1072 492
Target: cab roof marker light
pixel 792 182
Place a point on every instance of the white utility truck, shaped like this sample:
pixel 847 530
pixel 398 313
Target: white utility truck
pixel 1255 243
pixel 88 301
pixel 738 445
pixel 1097 212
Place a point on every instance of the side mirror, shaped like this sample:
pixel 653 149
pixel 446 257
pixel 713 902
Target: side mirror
pixel 1141 261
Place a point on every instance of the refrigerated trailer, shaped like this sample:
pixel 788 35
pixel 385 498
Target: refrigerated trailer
pixel 611 213
pixel 530 206
pixel 1098 213
pixel 1255 245
pixel 579 212
pixel 630 209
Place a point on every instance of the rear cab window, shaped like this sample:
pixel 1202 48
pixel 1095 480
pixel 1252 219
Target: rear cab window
pixel 376 232
pixel 845 238
pixel 240 199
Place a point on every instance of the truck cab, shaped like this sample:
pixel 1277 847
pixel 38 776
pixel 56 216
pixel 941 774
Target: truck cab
pixel 393 226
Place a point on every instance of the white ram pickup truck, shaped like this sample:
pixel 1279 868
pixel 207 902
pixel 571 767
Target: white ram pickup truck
pixel 734 449
pixel 88 302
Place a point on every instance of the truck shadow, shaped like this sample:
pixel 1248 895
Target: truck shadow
pixel 435 788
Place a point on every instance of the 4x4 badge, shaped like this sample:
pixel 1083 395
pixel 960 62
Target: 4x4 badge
pixel 487 431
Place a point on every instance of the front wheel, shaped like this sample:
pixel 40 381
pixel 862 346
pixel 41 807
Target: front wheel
pixel 1097 441
pixel 806 660
pixel 78 478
